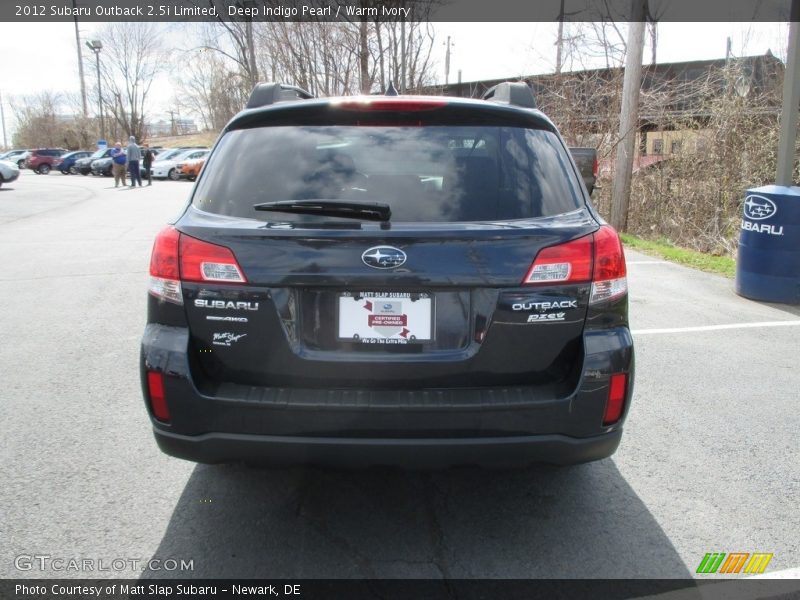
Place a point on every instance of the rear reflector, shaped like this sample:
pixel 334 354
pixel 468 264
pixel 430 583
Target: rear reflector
pixel 616 398
pixel 158 402
pixel 565 263
pixel 202 261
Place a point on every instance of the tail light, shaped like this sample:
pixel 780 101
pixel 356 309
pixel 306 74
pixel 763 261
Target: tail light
pixel 595 167
pixel 158 401
pixel 178 257
pixel 598 258
pixel 616 398
pixel 609 280
pixel 565 263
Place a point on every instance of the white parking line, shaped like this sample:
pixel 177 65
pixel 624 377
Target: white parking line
pixel 716 327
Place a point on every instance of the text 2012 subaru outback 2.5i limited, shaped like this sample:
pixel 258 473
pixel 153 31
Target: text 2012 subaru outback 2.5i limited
pixel 381 280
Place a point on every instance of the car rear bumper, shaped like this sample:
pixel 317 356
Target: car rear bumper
pixel 14 175
pixel 514 451
pixel 508 426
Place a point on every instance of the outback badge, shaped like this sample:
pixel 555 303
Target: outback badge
pixel 383 257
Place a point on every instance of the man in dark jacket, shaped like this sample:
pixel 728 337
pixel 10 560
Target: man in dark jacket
pixel 147 163
pixel 134 156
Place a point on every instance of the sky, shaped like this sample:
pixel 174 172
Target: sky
pixel 42 56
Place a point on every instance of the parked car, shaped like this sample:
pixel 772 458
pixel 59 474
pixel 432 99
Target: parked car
pixel 165 166
pixel 9 171
pixel 190 168
pixel 84 165
pixel 588 165
pixel 102 166
pixel 16 156
pixel 43 160
pixel 406 280
pixel 68 160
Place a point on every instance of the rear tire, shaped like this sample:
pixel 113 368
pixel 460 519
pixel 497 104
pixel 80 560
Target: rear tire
pixel 21 164
pixel 173 175
pixel 73 171
pixel 44 169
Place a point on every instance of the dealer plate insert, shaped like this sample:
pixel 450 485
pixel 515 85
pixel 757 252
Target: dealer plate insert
pixel 386 317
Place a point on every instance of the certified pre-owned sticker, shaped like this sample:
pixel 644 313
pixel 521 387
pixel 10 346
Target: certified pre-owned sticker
pixel 227 338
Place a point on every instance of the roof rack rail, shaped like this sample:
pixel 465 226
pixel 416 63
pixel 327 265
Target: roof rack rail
pixel 517 93
pixel 270 93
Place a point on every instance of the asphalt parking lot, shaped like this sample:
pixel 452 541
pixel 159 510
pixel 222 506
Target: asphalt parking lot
pixel 708 463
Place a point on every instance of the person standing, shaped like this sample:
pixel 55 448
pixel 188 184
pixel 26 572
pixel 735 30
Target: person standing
pixel 147 163
pixel 118 159
pixel 134 156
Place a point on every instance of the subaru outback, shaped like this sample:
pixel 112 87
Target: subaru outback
pixel 404 280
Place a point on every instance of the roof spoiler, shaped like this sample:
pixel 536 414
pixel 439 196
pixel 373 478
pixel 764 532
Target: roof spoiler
pixel 265 94
pixel 516 93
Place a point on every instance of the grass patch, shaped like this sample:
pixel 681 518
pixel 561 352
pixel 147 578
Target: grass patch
pixel 721 265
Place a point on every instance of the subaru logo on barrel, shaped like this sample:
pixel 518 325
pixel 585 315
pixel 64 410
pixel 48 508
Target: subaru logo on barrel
pixel 383 257
pixel 759 207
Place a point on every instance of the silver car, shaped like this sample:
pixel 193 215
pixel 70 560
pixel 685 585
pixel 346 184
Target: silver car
pixel 9 171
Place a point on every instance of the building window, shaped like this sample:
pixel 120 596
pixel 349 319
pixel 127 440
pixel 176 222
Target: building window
pixel 675 147
pixel 658 146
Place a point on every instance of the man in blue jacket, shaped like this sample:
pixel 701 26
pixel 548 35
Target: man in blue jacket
pixel 118 160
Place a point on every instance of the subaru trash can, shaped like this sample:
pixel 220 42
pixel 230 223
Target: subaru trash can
pixel 768 268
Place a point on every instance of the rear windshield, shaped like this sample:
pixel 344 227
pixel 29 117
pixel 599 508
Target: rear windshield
pixel 426 174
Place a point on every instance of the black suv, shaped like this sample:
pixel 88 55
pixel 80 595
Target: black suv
pixel 388 280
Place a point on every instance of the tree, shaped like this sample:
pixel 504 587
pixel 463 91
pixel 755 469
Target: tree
pixel 133 55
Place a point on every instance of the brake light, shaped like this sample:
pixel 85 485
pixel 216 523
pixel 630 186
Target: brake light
pixel 598 258
pixel 158 401
pixel 565 263
pixel 393 104
pixel 616 398
pixel 609 281
pixel 595 167
pixel 164 266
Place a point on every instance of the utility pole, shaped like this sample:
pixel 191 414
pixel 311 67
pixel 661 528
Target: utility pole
pixel 560 40
pixel 403 56
pixel 447 63
pixel 96 46
pixel 3 121
pixel 629 117
pixel 791 97
pixel 80 61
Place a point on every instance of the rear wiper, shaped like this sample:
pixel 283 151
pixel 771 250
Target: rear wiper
pixel 368 211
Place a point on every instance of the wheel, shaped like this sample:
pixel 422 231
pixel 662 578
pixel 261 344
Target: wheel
pixel 73 171
pixel 43 169
pixel 21 164
pixel 84 173
pixel 173 175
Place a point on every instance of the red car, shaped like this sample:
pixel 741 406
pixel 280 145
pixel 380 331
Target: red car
pixel 43 160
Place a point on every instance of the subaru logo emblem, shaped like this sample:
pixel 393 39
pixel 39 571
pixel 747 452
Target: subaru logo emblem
pixel 383 257
pixel 758 208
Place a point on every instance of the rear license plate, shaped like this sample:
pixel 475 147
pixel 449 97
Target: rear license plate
pixel 386 317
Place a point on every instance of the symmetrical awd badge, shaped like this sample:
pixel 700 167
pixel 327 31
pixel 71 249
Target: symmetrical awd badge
pixel 383 257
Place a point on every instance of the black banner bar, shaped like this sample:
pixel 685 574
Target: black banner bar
pixel 398 589
pixel 390 10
